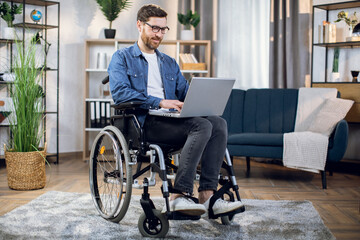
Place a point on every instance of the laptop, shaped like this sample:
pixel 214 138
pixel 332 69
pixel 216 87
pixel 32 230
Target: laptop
pixel 205 97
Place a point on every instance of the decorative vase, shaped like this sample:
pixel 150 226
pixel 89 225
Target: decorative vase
pixel 110 33
pixel 350 31
pixel 187 35
pixel 335 77
pixel 355 74
pixel 26 170
pixel 8 33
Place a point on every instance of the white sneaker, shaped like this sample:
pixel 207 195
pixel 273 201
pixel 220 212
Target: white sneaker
pixel 221 206
pixel 185 206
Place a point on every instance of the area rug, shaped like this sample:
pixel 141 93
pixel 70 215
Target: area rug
pixel 63 215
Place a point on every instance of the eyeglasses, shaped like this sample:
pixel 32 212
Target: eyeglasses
pixel 156 29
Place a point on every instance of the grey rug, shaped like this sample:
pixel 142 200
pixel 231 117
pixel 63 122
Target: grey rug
pixel 63 215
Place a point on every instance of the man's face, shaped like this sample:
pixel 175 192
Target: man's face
pixel 150 39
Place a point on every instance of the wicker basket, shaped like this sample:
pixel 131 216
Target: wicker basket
pixel 26 170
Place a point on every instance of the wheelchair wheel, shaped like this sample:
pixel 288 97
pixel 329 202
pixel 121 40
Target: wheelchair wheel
pixel 110 174
pixel 154 228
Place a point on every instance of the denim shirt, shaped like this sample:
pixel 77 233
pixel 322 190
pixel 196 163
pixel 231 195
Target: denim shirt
pixel 128 72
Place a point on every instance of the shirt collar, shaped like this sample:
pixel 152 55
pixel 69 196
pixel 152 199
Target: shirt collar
pixel 137 51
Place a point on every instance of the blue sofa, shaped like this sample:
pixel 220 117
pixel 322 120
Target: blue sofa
pixel 258 118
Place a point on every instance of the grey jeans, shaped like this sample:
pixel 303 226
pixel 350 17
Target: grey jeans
pixel 204 141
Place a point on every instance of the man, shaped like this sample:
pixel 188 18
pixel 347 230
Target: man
pixel 142 73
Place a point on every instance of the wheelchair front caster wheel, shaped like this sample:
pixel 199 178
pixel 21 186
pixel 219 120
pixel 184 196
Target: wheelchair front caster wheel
pixel 155 228
pixel 227 220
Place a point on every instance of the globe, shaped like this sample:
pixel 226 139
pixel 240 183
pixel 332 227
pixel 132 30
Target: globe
pixel 35 15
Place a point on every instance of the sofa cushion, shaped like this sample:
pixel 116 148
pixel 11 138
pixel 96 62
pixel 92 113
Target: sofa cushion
pixel 270 110
pixel 233 113
pixel 331 112
pixel 258 139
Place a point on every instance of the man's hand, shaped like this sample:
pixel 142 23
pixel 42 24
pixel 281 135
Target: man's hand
pixel 168 104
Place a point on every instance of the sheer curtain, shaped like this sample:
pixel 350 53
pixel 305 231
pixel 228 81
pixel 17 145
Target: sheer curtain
pixel 241 46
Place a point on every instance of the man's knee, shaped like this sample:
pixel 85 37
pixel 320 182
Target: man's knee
pixel 219 124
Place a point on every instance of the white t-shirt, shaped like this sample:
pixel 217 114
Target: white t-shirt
pixel 155 85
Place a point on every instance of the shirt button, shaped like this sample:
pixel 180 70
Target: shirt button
pixel 135 75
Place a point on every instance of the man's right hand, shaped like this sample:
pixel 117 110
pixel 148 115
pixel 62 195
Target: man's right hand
pixel 168 104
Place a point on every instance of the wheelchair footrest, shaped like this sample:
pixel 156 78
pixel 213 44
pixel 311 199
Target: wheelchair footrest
pixel 232 213
pixel 181 216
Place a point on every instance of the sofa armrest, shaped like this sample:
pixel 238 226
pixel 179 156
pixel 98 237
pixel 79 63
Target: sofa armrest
pixel 338 142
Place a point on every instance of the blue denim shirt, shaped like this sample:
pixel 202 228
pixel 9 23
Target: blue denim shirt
pixel 128 72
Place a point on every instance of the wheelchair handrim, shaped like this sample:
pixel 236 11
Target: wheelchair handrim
pixel 97 197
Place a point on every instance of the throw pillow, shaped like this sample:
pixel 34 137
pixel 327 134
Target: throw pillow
pixel 332 111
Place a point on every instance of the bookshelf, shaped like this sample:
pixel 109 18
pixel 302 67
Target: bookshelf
pixel 100 50
pixel 348 90
pixel 49 28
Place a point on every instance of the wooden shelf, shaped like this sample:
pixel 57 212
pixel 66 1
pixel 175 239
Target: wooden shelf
pixel 93 75
pixel 34 2
pixel 35 26
pixel 6 82
pixel 339 44
pixel 93 129
pixel 337 6
pixel 99 100
pixel 335 83
pixel 95 70
pixel 3 40
pixel 348 90
pixel 194 71
pixel 28 5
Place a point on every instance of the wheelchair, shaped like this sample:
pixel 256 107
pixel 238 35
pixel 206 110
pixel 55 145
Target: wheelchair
pixel 120 155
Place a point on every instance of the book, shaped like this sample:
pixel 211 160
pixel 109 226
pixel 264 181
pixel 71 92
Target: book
pixel 103 115
pixel 194 58
pixel 92 115
pixel 182 58
pixel 108 113
pixel 97 114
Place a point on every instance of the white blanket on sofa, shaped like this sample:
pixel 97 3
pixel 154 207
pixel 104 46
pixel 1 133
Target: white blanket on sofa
pixel 305 149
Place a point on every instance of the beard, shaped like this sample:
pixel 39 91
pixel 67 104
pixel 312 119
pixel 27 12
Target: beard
pixel 149 41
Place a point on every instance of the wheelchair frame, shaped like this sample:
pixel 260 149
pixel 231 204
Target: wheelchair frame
pixel 119 147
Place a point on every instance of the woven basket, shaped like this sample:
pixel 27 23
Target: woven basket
pixel 26 170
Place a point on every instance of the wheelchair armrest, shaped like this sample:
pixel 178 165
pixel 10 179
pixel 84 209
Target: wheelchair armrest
pixel 105 80
pixel 126 105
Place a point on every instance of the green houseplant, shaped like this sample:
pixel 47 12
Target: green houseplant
pixel 111 10
pixel 8 13
pixel 189 19
pixel 24 162
pixel 335 75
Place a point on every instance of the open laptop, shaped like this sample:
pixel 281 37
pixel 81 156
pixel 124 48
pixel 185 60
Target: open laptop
pixel 205 97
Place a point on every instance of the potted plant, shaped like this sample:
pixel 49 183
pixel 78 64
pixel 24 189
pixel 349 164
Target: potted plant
pixel 350 21
pixel 111 10
pixel 335 75
pixel 188 20
pixel 25 163
pixel 8 13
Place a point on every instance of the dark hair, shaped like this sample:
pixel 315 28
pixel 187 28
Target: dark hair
pixel 151 10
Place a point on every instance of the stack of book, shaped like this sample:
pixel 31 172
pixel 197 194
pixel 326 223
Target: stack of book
pixel 189 62
pixel 99 114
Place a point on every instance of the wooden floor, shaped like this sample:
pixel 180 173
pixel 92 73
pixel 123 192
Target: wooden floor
pixel 338 205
